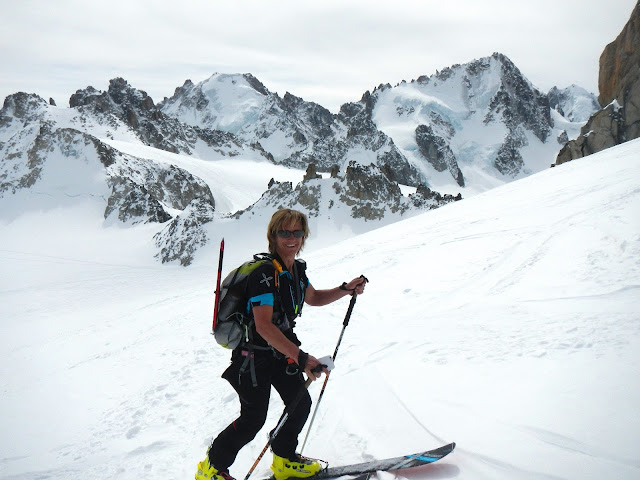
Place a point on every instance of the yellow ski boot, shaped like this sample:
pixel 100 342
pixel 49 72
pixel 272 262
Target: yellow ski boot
pixel 297 467
pixel 206 471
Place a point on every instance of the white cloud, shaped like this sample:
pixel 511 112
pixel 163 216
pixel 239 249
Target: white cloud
pixel 329 52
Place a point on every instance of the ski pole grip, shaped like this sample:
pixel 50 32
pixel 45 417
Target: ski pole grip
pixel 347 317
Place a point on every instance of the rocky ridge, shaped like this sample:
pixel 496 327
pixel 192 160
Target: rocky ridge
pixel 135 190
pixel 619 84
pixel 123 106
pixel 294 132
pixel 365 192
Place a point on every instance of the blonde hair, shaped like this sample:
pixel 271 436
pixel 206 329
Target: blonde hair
pixel 280 220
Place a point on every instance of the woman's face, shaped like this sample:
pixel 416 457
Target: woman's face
pixel 290 246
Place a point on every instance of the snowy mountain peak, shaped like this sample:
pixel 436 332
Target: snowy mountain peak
pixel 479 124
pixel 574 103
pixel 223 101
pixel 231 83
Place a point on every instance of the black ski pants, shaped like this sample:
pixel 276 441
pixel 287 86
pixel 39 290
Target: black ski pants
pixel 254 404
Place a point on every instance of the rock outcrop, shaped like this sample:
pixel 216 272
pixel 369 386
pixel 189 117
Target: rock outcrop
pixel 619 84
pixel 182 236
pixel 363 192
pixel 438 153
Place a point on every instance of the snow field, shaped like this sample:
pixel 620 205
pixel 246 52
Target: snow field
pixel 507 322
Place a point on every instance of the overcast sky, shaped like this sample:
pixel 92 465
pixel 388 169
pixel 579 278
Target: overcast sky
pixel 325 51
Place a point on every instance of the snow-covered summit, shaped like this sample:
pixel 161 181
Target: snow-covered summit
pixel 223 101
pixel 574 102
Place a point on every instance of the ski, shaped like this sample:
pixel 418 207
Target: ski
pixel 362 471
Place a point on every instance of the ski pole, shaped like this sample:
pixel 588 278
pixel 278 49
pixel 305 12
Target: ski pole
pixel 217 300
pixel 335 353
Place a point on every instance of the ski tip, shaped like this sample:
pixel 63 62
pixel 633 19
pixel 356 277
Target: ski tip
pixel 446 449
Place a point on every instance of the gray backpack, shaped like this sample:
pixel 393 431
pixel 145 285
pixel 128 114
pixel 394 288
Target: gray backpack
pixel 232 324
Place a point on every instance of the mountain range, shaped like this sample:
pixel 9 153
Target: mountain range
pixel 398 151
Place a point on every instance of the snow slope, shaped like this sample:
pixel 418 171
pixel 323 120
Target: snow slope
pixel 232 188
pixel 508 322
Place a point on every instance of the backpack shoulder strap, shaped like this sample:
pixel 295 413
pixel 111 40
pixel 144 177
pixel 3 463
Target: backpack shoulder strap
pixel 301 265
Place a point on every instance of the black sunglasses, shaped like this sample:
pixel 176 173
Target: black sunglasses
pixel 288 233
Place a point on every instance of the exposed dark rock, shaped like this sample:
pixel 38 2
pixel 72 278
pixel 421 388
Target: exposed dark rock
pixel 427 199
pixel 311 173
pixel 151 185
pixel 519 103
pixel 605 129
pixel 563 138
pixel 131 202
pixel 369 192
pixel 256 84
pixel 185 234
pixel 366 191
pixel 309 197
pixel 438 153
pixel 509 159
pixel 22 106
